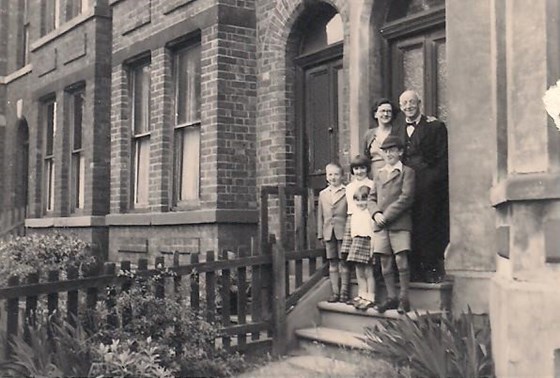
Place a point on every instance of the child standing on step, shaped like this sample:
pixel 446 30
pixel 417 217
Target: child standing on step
pixel 359 231
pixel 331 219
pixel 390 204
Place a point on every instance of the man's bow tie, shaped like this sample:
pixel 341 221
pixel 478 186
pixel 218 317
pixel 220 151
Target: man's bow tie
pixel 413 124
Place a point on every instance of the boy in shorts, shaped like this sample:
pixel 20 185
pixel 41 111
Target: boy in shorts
pixel 389 204
pixel 331 220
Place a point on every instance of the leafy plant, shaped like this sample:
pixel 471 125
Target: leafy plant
pixel 127 359
pixel 433 346
pixel 23 254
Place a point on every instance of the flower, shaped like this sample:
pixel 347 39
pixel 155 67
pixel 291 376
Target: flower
pixel 551 101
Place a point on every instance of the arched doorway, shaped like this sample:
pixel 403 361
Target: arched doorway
pixel 22 164
pixel 318 92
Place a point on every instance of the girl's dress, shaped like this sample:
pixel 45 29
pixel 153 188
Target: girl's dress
pixel 362 233
pixel 350 189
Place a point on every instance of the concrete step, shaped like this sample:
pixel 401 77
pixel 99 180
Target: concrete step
pixel 330 337
pixel 425 296
pixel 323 366
pixel 345 317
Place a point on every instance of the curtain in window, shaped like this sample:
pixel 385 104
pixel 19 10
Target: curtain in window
pixel 188 86
pixel 142 171
pixel 190 166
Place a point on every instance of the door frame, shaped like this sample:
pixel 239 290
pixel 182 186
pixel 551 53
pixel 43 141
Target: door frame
pixel 302 63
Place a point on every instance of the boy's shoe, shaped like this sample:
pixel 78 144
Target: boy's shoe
pixel 389 304
pixel 404 306
pixel 333 298
pixel 344 297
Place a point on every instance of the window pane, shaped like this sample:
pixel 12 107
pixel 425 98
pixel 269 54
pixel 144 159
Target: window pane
pixel 141 99
pixel 49 184
pixel 77 181
pixel 413 69
pixel 77 114
pixel 187 84
pixel 50 126
pixel 141 171
pixel 190 165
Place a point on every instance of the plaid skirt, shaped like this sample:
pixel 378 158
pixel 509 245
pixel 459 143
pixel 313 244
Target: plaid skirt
pixel 360 250
pixel 347 238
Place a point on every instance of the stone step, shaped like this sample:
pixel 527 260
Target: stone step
pixel 425 296
pixel 331 338
pixel 323 366
pixel 345 317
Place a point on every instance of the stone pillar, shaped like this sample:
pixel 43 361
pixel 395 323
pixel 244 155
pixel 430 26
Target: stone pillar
pixel 524 303
pixel 472 135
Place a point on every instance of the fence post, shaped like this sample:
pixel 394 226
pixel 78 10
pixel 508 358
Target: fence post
pixel 160 281
pixel 279 341
pixel 12 313
pixel 30 320
pixel 110 301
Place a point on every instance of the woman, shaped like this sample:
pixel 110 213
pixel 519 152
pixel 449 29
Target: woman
pixel 383 112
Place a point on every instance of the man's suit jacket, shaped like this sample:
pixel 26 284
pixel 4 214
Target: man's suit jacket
pixel 331 214
pixel 426 152
pixel 393 195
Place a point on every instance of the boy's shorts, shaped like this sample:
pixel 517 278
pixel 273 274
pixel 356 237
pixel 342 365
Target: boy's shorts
pixel 388 242
pixel 333 248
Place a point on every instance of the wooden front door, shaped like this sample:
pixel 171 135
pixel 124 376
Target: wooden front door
pixel 321 108
pixel 418 62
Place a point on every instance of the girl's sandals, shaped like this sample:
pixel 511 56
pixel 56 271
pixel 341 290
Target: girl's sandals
pixel 364 305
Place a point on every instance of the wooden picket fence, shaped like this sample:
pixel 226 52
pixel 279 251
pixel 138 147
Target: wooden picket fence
pixel 256 288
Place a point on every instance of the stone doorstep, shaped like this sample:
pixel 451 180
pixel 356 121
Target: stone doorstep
pixel 389 314
pixel 334 337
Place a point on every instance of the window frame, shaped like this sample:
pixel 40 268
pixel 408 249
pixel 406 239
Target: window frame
pixel 139 138
pixel 49 168
pixel 180 128
pixel 76 173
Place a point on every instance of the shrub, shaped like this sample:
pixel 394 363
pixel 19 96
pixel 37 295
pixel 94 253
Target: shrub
pixel 431 346
pixel 23 255
pixel 162 337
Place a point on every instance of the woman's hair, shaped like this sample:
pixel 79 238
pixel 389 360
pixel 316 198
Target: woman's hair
pixel 380 102
pixel 360 161
pixel 362 193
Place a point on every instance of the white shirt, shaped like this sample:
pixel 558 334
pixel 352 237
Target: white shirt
pixel 390 168
pixel 361 223
pixel 351 189
pixel 410 129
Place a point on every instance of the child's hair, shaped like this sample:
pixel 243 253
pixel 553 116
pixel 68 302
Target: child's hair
pixel 362 193
pixel 335 164
pixel 360 161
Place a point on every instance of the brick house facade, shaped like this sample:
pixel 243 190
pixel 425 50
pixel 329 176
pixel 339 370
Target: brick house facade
pixel 150 126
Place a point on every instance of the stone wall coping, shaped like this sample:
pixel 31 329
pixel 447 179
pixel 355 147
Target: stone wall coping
pixel 80 221
pixel 526 187
pixel 184 217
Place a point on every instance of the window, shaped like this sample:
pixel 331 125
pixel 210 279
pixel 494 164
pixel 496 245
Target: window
pixel 23 52
pixel 140 116
pixel 75 8
pixel 49 129
pixel 50 15
pixel 77 168
pixel 187 124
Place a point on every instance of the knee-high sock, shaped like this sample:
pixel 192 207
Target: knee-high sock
pixel 389 276
pixel 404 272
pixel 334 277
pixel 344 278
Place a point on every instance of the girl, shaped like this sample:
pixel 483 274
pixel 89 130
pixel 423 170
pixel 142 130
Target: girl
pixel 359 230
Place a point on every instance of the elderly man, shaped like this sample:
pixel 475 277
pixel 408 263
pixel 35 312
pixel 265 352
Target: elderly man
pixel 426 152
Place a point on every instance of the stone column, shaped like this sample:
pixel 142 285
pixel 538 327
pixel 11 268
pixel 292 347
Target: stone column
pixel 524 301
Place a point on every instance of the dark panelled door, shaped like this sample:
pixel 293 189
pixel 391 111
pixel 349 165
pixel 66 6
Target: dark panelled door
pixel 321 109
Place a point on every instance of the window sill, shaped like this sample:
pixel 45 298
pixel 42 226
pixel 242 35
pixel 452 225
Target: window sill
pixel 16 74
pixel 76 221
pixel 184 217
